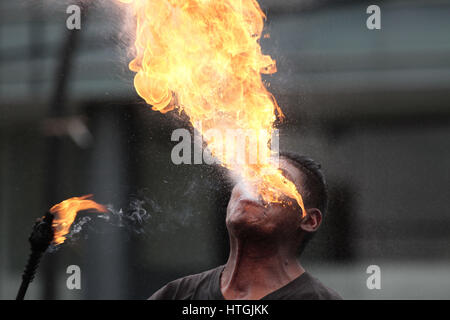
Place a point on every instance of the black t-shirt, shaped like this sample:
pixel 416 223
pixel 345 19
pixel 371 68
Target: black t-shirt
pixel 206 286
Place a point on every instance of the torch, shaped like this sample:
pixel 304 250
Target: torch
pixel 40 238
pixel 52 229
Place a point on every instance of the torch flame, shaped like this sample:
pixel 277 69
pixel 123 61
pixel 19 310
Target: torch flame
pixel 66 211
pixel 203 57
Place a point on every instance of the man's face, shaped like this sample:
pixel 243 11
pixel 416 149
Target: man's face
pixel 250 216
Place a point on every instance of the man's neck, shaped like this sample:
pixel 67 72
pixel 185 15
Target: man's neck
pixel 254 270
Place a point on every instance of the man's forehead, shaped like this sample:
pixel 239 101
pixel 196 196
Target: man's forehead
pixel 291 172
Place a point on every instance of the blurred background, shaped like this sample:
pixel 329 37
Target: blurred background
pixel 373 106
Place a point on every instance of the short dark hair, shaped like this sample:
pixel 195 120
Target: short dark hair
pixel 315 194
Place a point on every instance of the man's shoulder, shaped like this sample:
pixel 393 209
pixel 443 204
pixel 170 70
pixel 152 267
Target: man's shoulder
pixel 305 287
pixel 184 288
pixel 316 290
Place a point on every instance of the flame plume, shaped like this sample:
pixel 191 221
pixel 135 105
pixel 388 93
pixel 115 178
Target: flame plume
pixel 66 211
pixel 203 57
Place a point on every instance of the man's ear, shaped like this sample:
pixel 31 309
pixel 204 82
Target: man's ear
pixel 311 222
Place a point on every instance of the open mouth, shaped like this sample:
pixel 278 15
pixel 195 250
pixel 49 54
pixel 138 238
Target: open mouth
pixel 253 205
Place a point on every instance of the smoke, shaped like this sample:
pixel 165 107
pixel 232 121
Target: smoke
pixel 132 219
pixel 144 216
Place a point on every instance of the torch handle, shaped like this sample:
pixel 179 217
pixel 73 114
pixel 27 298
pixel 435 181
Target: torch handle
pixel 28 274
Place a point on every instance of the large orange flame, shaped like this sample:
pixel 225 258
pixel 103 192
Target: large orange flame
pixel 66 211
pixel 204 58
